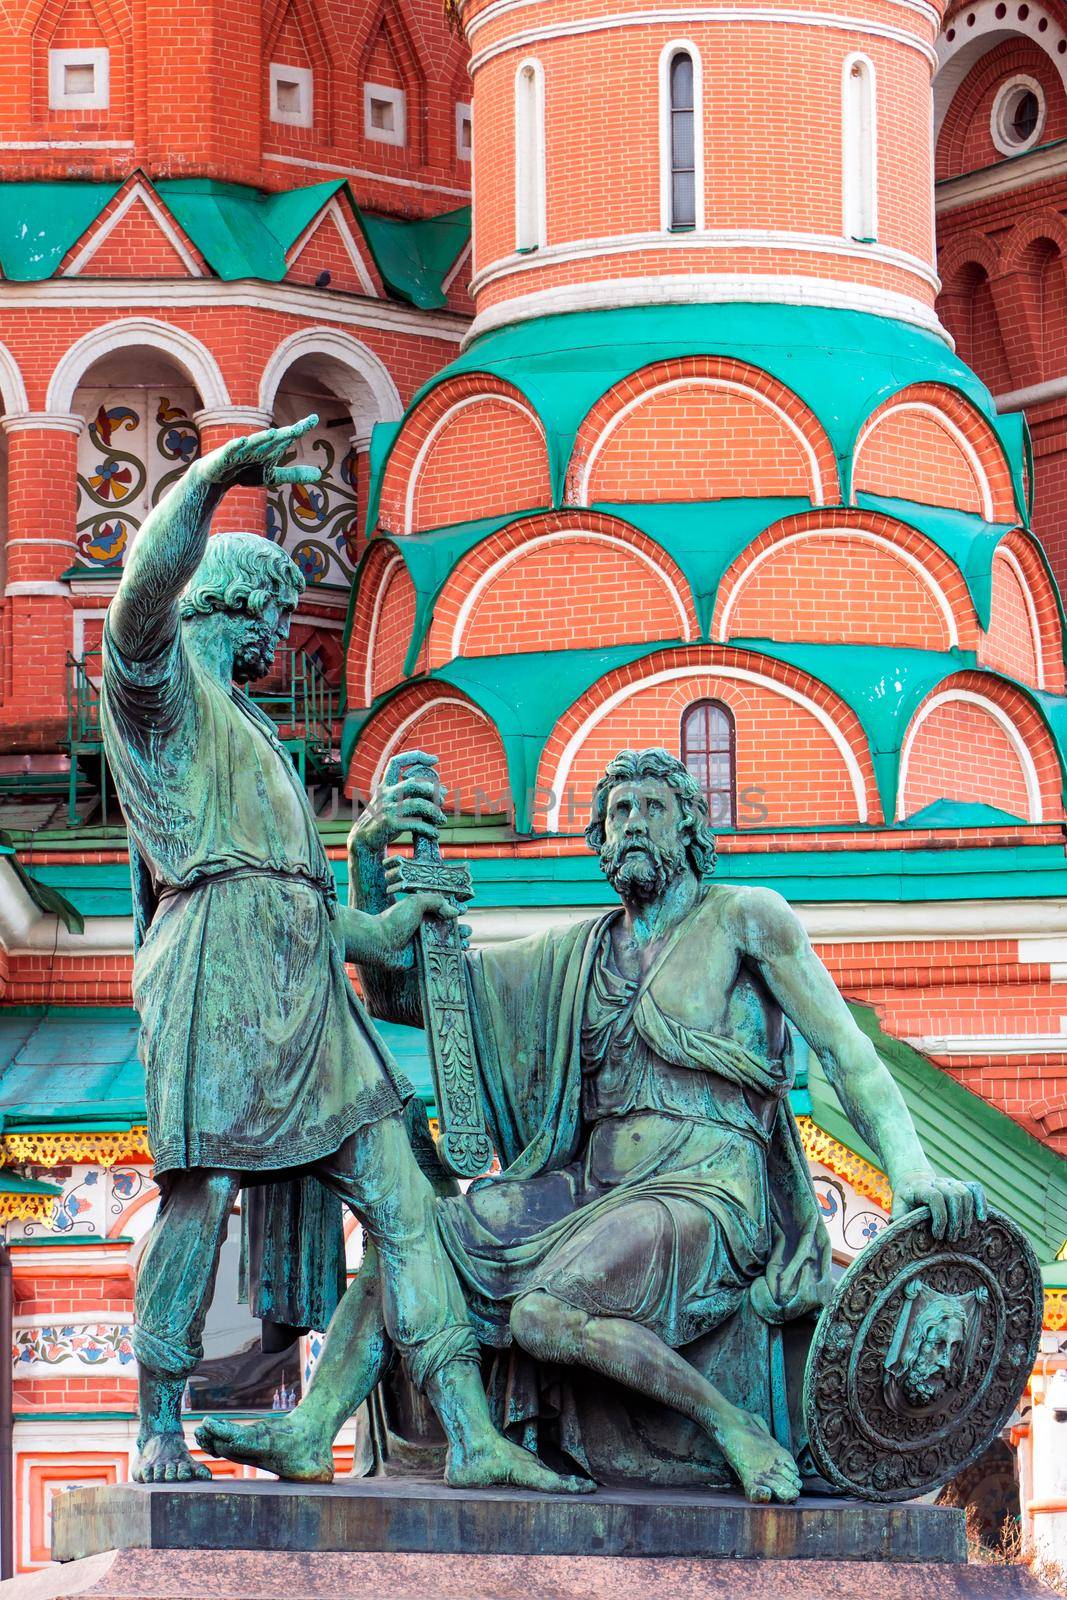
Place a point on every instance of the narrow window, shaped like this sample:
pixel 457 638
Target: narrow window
pixel 529 156
pixel 709 755
pixel 859 151
pixel 683 144
pixel 463 131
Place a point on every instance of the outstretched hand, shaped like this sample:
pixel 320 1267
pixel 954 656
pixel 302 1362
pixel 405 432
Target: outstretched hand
pixel 257 460
pixel 954 1206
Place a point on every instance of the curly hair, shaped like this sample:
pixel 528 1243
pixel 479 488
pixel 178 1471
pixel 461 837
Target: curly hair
pixel 241 572
pixel 630 766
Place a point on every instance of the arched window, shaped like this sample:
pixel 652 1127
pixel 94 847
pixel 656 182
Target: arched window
pixel 529 156
pixel 859 150
pixel 709 754
pixel 681 139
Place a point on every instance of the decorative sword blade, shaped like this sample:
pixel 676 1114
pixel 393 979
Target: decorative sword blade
pixel 464 1145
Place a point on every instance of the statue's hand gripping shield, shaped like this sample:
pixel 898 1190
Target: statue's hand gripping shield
pixel 921 1356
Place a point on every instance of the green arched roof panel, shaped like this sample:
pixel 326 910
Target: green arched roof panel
pixel 967 540
pixel 842 364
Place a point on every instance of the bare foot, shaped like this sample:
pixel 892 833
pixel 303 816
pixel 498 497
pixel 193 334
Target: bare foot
pixel 276 1444
pixel 499 1462
pixel 767 1470
pixel 165 1458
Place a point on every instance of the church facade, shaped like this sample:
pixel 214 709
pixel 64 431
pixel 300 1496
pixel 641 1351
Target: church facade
pixel 735 426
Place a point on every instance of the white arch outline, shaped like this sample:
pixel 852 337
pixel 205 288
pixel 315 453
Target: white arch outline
pixel 395 738
pixel 369 374
pixel 678 47
pixel 956 57
pixel 1015 739
pixel 926 577
pixel 674 674
pixel 12 387
pixel 859 154
pixel 557 536
pixel 169 338
pixel 443 420
pixel 953 429
pixel 728 384
pixel 389 568
pixel 531 178
pixel 1002 552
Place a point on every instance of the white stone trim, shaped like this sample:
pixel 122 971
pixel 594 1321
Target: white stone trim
pixel 464 119
pixel 49 421
pixel 560 536
pixel 324 305
pixel 304 81
pixel 531 186
pixel 951 428
pixel 194 358
pixel 990 1044
pixel 372 395
pixel 396 738
pixel 1021 80
pixel 64 544
pixel 66 144
pixel 396 99
pixel 1015 738
pixel 502 8
pixel 707 239
pixel 562 773
pixel 39 588
pixel 706 288
pixel 859 150
pixel 1021 172
pixel 236 417
pixel 441 423
pixel 863 535
pixel 337 216
pixel 98 57
pixel 680 47
pixel 363 172
pixel 728 385
pixel 138 193
pixel 957 56
pixel 1011 560
pixel 457 266
pixel 390 567
pixel 529 38
pixel 12 387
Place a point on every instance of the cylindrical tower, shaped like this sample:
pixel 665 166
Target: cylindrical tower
pixel 631 155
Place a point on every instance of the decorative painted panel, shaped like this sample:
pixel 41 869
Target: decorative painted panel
pixel 97 1202
pixel 851 1220
pixel 41 1349
pixel 137 442
pixel 318 522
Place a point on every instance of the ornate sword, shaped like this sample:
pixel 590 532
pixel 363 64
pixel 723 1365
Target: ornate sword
pixel 464 1145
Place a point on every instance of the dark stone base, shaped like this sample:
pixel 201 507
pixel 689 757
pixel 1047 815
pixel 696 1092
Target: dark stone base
pixel 267 1575
pixel 392 1515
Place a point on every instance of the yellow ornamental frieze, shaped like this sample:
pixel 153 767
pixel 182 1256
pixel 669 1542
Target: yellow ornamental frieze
pixel 52 1149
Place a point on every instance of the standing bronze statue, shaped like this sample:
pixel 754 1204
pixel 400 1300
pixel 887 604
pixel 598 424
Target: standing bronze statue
pixel 261 1065
pixel 645 1262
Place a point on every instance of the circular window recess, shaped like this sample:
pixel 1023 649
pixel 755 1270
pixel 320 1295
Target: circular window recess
pixel 1018 115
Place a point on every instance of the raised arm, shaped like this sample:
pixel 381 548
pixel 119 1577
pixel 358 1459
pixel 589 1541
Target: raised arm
pixel 171 543
pixel 773 937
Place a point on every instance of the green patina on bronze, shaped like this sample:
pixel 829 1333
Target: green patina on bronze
pixel 645 1272
pixel 262 1069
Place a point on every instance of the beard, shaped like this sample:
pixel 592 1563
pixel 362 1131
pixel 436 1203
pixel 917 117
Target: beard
pixel 254 656
pixel 641 871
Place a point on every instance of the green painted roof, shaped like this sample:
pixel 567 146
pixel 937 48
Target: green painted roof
pixel 414 256
pixel 11 1183
pixel 963 1135
pixel 39 222
pixel 240 231
pixel 842 364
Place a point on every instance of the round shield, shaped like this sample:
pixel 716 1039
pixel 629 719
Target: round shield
pixel 921 1355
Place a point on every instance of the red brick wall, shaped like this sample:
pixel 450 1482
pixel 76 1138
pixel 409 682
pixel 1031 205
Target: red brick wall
pixel 471 757
pixel 1009 644
pixel 910 449
pixel 395 623
pixel 965 142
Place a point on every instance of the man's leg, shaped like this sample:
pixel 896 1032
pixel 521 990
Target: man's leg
pixel 175 1281
pixel 298 1445
pixel 631 1354
pixel 423 1307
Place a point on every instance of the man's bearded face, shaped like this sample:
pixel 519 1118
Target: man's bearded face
pixel 258 643
pixel 644 848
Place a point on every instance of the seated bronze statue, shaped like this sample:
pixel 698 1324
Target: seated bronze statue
pixel 644 1273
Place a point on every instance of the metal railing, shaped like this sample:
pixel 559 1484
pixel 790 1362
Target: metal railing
pixel 297 698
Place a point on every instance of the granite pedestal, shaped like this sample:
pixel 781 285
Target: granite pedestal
pixel 406 1539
